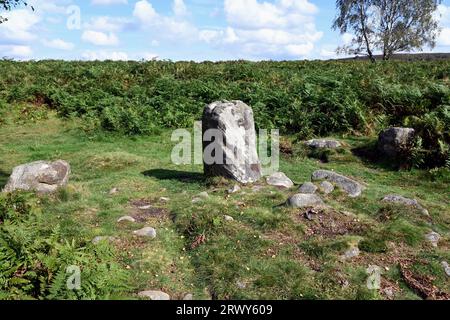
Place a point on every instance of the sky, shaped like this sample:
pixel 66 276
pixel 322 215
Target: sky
pixel 176 30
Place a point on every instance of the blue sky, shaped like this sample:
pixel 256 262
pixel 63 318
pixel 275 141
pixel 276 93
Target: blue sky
pixel 179 30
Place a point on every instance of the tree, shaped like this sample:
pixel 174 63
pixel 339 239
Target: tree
pixel 7 5
pixel 387 26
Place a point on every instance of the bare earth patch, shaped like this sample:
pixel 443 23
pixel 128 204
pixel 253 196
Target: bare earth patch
pixel 144 209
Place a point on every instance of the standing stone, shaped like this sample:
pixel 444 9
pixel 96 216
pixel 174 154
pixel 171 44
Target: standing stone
pixel 39 176
pixel 279 179
pixel 230 148
pixel 393 140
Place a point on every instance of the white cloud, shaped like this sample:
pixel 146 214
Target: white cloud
pixel 108 24
pixel 444 37
pixel 19 27
pixel 108 2
pixel 15 51
pixel 179 8
pixel 58 44
pixel 104 55
pixel 100 38
pixel 284 29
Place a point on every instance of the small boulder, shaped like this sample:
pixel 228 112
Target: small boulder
pixel 393 141
pixel 279 179
pixel 203 195
pixel 308 188
pixel 113 191
pixel 446 268
pixel 433 238
pixel 323 144
pixel 99 239
pixel 228 218
pixel 164 199
pixel 146 232
pixel 126 219
pixel 351 187
pixel 39 176
pixel 302 200
pixel 154 295
pixel 351 253
pixel 236 188
pixel 394 198
pixel 188 297
pixel 326 187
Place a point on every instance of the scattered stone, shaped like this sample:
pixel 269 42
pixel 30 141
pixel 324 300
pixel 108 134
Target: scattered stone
pixel 236 188
pixel 393 141
pixel 323 144
pixel 351 187
pixel 241 285
pixel 146 232
pixel 389 293
pixel 235 152
pixel 203 195
pixel 393 198
pixel 39 176
pixel 433 238
pixel 351 253
pixel 228 218
pixel 99 239
pixel 188 297
pixel 326 187
pixel 308 188
pixel 126 219
pixel 113 191
pixel 154 295
pixel 164 199
pixel 279 179
pixel 446 268
pixel 302 200
pixel 146 207
pixel 196 200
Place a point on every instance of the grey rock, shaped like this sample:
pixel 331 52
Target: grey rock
pixel 446 268
pixel 326 187
pixel 351 253
pixel 351 187
pixel 99 239
pixel 235 151
pixel 323 144
pixel 302 200
pixel 279 179
pixel 433 238
pixel 113 191
pixel 393 140
pixel 241 284
pixel 154 295
pixel 39 176
pixel 126 219
pixel 188 297
pixel 146 232
pixel 164 199
pixel 236 188
pixel 308 188
pixel 203 195
pixel 145 207
pixel 228 218
pixel 397 199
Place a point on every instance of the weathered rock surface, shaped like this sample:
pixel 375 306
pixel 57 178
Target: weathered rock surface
pixel 188 297
pixel 39 176
pixel 326 187
pixel 146 232
pixel 446 268
pixel 397 199
pixel 433 238
pixel 232 154
pixel 302 200
pixel 154 295
pixel 351 187
pixel 308 188
pixel 126 219
pixel 351 253
pixel 279 179
pixel 228 218
pixel 393 140
pixel 323 144
pixel 236 188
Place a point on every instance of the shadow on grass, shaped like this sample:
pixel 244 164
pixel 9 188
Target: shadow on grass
pixel 182 176
pixel 3 179
pixel 371 157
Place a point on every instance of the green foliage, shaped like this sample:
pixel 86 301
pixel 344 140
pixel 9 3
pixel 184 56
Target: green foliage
pixel 35 256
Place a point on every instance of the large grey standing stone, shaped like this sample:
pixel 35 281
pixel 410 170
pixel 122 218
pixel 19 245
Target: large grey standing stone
pixel 351 187
pixel 394 198
pixel 279 179
pixel 39 176
pixel 234 156
pixel 323 144
pixel 154 295
pixel 393 141
pixel 302 200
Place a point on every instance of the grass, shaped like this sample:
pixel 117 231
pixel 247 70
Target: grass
pixel 267 252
